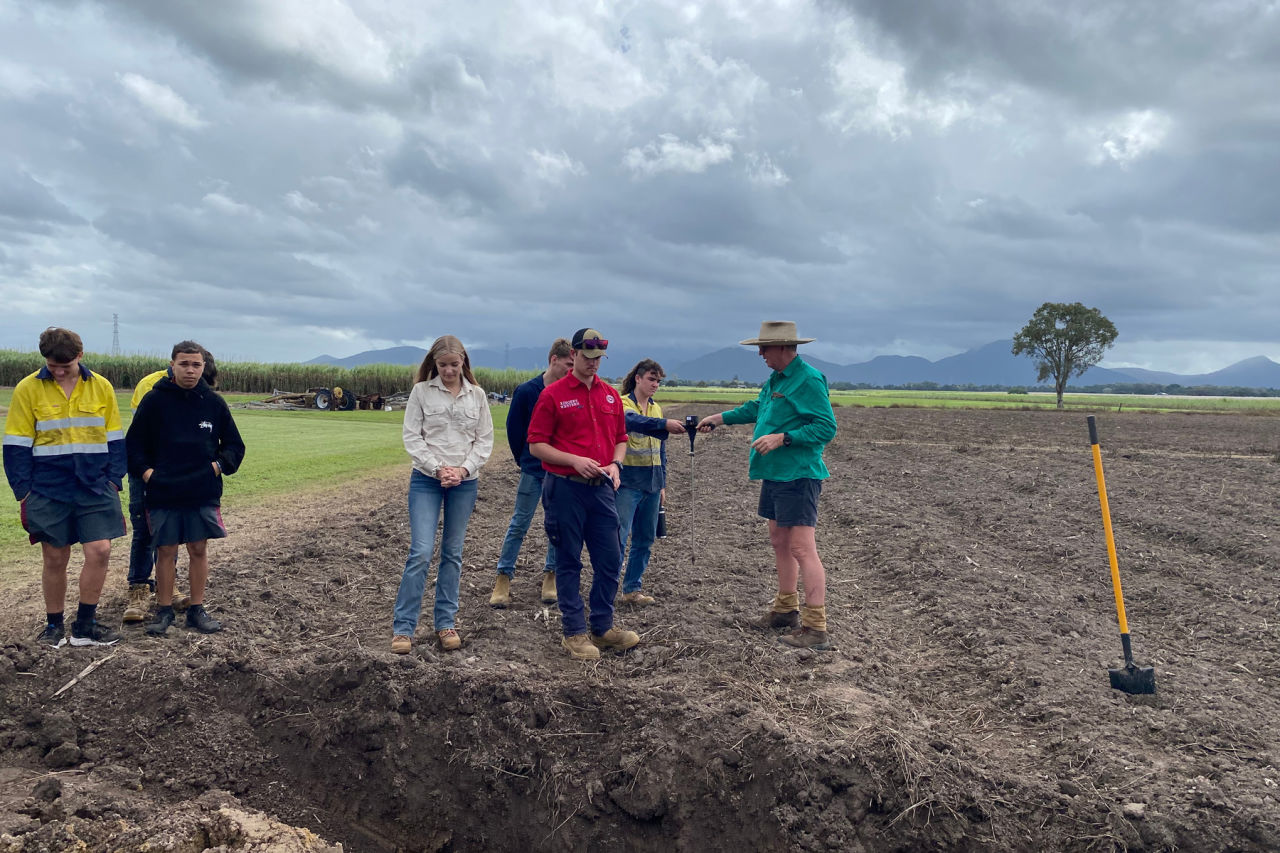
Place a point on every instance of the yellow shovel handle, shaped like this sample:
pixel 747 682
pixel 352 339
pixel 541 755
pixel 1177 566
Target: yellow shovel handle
pixel 1106 525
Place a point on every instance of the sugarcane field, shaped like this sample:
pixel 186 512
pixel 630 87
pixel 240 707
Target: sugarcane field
pixel 966 704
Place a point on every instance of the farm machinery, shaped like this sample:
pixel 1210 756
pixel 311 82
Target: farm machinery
pixel 334 399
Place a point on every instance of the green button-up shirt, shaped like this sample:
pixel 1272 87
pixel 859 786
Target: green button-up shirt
pixel 794 401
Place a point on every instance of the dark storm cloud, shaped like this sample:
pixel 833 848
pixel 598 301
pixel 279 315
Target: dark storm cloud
pixel 465 184
pixel 1229 186
pixel 218 225
pixel 1095 54
pixel 28 206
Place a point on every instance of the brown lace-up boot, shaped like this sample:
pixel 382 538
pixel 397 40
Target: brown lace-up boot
pixel 784 615
pixel 812 633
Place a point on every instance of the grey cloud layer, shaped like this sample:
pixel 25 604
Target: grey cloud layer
pixel 360 174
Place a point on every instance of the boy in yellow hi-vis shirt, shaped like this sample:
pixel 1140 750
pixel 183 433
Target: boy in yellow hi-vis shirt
pixel 64 458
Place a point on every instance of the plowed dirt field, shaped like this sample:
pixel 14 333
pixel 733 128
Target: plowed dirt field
pixel 966 707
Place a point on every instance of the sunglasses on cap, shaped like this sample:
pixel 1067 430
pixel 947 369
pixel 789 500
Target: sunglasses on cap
pixel 595 343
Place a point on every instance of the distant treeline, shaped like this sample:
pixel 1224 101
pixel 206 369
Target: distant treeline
pixel 249 377
pixel 1116 388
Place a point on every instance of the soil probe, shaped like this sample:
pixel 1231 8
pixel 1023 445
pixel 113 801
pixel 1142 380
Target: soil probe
pixel 691 427
pixel 1131 678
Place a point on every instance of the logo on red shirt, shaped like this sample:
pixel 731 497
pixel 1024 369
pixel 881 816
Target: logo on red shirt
pixel 570 404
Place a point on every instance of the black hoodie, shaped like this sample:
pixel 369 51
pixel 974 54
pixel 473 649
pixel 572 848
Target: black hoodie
pixel 180 433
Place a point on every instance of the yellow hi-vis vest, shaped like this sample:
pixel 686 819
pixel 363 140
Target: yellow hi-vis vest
pixel 643 451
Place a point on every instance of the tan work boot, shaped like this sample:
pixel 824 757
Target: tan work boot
pixel 549 595
pixel 617 639
pixel 812 633
pixel 139 602
pixel 807 638
pixel 784 615
pixel 501 595
pixel 449 640
pixel 580 648
pixel 774 621
pixel 401 645
pixel 637 598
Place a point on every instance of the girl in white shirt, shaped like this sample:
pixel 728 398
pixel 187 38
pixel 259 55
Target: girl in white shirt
pixel 448 433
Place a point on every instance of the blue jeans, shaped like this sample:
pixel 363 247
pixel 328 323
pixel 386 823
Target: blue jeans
pixel 577 514
pixel 142 556
pixel 638 520
pixel 426 499
pixel 527 497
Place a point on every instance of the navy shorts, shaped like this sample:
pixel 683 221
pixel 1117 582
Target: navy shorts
pixel 189 524
pixel 88 518
pixel 791 503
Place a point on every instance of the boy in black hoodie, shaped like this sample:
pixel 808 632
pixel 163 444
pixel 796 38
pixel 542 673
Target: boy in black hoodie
pixel 181 443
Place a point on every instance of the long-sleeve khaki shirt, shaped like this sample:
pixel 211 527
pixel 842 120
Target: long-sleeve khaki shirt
pixel 441 429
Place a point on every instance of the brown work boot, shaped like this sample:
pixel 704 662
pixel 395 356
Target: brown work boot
pixel 637 598
pixel 401 645
pixel 774 621
pixel 580 648
pixel 139 602
pixel 549 588
pixel 807 638
pixel 449 640
pixel 617 639
pixel 501 595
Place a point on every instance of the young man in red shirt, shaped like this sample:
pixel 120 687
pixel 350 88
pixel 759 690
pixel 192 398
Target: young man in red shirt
pixel 579 431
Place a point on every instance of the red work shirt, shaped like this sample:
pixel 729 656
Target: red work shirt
pixel 576 419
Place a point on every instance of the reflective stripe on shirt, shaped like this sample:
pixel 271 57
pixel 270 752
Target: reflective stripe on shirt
pixel 67 449
pixel 67 423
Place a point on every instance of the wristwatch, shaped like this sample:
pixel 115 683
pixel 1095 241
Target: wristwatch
pixel 786 439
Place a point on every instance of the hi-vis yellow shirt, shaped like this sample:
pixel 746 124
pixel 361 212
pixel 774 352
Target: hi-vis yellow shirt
pixel 145 384
pixel 645 465
pixel 55 444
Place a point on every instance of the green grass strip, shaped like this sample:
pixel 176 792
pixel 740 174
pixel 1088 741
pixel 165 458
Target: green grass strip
pixel 287 452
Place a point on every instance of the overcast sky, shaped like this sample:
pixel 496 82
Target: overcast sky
pixel 284 178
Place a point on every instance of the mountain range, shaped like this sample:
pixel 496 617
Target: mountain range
pixel 992 364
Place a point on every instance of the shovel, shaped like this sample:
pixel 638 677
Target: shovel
pixel 1130 678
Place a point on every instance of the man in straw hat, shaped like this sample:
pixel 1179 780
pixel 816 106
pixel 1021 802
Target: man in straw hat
pixel 794 422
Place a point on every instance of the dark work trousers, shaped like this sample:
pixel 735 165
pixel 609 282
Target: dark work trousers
pixel 142 557
pixel 576 514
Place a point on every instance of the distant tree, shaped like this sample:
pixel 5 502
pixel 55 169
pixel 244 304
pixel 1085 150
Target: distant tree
pixel 1066 340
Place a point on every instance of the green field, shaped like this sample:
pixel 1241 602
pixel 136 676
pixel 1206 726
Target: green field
pixel 287 451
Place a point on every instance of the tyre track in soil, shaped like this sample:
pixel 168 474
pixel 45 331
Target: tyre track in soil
pixel 966 706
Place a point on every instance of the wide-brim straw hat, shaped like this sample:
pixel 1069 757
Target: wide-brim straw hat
pixel 776 333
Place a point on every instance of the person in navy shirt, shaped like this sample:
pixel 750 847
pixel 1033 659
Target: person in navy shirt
pixel 559 362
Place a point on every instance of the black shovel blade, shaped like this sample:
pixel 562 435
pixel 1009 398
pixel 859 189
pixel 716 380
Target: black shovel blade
pixel 1134 680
